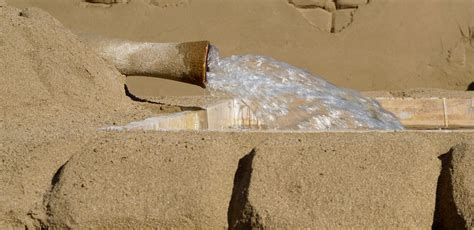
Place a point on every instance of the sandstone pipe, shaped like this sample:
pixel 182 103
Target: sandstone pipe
pixel 184 62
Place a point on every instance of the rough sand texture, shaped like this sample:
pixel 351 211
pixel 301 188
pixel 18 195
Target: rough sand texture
pixel 57 170
pixel 421 93
pixel 54 90
pixel 455 203
pixel 185 179
pixel 164 181
pixel 336 182
pixel 47 73
pixel 390 45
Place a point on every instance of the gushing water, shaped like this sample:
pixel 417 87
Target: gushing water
pixel 285 97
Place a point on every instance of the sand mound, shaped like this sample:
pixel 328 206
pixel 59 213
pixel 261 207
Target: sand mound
pixel 49 77
pixel 53 90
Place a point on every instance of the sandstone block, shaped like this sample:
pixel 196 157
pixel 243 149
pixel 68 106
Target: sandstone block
pixel 342 19
pixel 351 3
pixel 334 184
pixel 455 203
pixel 318 18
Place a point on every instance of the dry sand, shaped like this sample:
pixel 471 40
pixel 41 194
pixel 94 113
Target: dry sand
pixel 185 180
pixel 337 182
pixel 390 45
pixel 54 91
pixel 455 202
pixel 57 170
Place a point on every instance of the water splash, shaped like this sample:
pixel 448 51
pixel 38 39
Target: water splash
pixel 285 97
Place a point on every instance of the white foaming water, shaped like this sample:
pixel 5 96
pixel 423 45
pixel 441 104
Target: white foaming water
pixel 285 97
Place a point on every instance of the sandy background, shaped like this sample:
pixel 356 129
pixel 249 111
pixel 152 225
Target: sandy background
pixel 58 170
pixel 386 45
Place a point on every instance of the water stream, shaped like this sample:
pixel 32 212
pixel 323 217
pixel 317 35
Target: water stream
pixel 286 97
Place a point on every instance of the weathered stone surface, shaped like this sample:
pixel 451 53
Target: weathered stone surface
pixel 350 3
pixel 333 183
pixel 455 200
pixel 318 17
pixel 330 6
pixel 342 19
pixel 309 3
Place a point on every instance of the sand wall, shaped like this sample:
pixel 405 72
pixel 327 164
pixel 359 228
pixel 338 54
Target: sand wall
pixel 205 180
pixel 389 45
